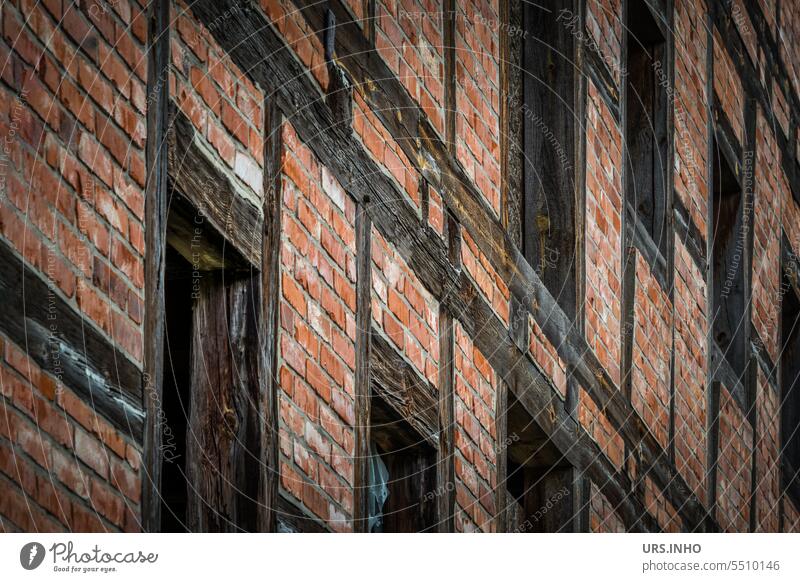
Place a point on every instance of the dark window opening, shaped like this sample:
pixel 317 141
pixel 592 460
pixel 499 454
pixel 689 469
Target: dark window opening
pixel 408 475
pixel 177 390
pixel 646 134
pixel 549 126
pixel 728 304
pixel 790 376
pixel 539 481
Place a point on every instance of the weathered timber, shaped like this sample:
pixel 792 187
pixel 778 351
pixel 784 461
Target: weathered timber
pixel 416 136
pixel 267 58
pixel 751 80
pixel 269 314
pixel 64 344
pixel 226 206
pixel 291 518
pixel 158 60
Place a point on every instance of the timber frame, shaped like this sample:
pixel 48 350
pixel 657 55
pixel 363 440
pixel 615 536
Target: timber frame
pixel 257 48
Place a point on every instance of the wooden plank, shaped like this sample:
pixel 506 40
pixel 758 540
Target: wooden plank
pixel 223 437
pixel 267 59
pixel 501 497
pixel 158 60
pixel 223 204
pixel 58 338
pixel 269 316
pixel 363 367
pixel 446 474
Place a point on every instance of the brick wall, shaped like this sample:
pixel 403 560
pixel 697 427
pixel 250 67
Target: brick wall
pixel 404 310
pixel 690 371
pixel 73 98
pixel 728 87
pixel 72 103
pixel 596 423
pixel 768 456
pixel 602 516
pixel 409 37
pixel 222 103
pixel 690 113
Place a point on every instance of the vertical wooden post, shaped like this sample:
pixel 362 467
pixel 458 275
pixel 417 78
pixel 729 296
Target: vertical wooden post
pixel 362 380
pixel 712 387
pixel 268 320
pixel 445 476
pixel 158 61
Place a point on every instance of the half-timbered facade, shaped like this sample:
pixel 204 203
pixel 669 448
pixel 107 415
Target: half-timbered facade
pixel 418 265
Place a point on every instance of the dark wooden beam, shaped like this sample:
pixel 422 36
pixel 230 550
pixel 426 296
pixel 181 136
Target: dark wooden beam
pixel 363 369
pixel 394 380
pixel 208 186
pixel 155 227
pixel 446 474
pixel 58 338
pixel 269 326
pixel 269 60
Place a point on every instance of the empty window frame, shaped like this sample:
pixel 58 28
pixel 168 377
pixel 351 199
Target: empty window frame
pixel 646 132
pixel 728 298
pixel 401 475
pixel 539 480
pixel 790 375
pixel 549 125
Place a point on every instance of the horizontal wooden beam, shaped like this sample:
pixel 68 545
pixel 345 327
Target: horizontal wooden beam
pixel 259 50
pixel 207 185
pixel 66 345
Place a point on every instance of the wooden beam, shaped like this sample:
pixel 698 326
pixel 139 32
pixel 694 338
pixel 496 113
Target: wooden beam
pixel 158 62
pixel 363 366
pixel 223 204
pixel 269 326
pixel 268 59
pixel 58 338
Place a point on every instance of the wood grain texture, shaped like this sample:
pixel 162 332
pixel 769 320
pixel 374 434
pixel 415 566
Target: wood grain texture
pixel 268 60
pixel 158 59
